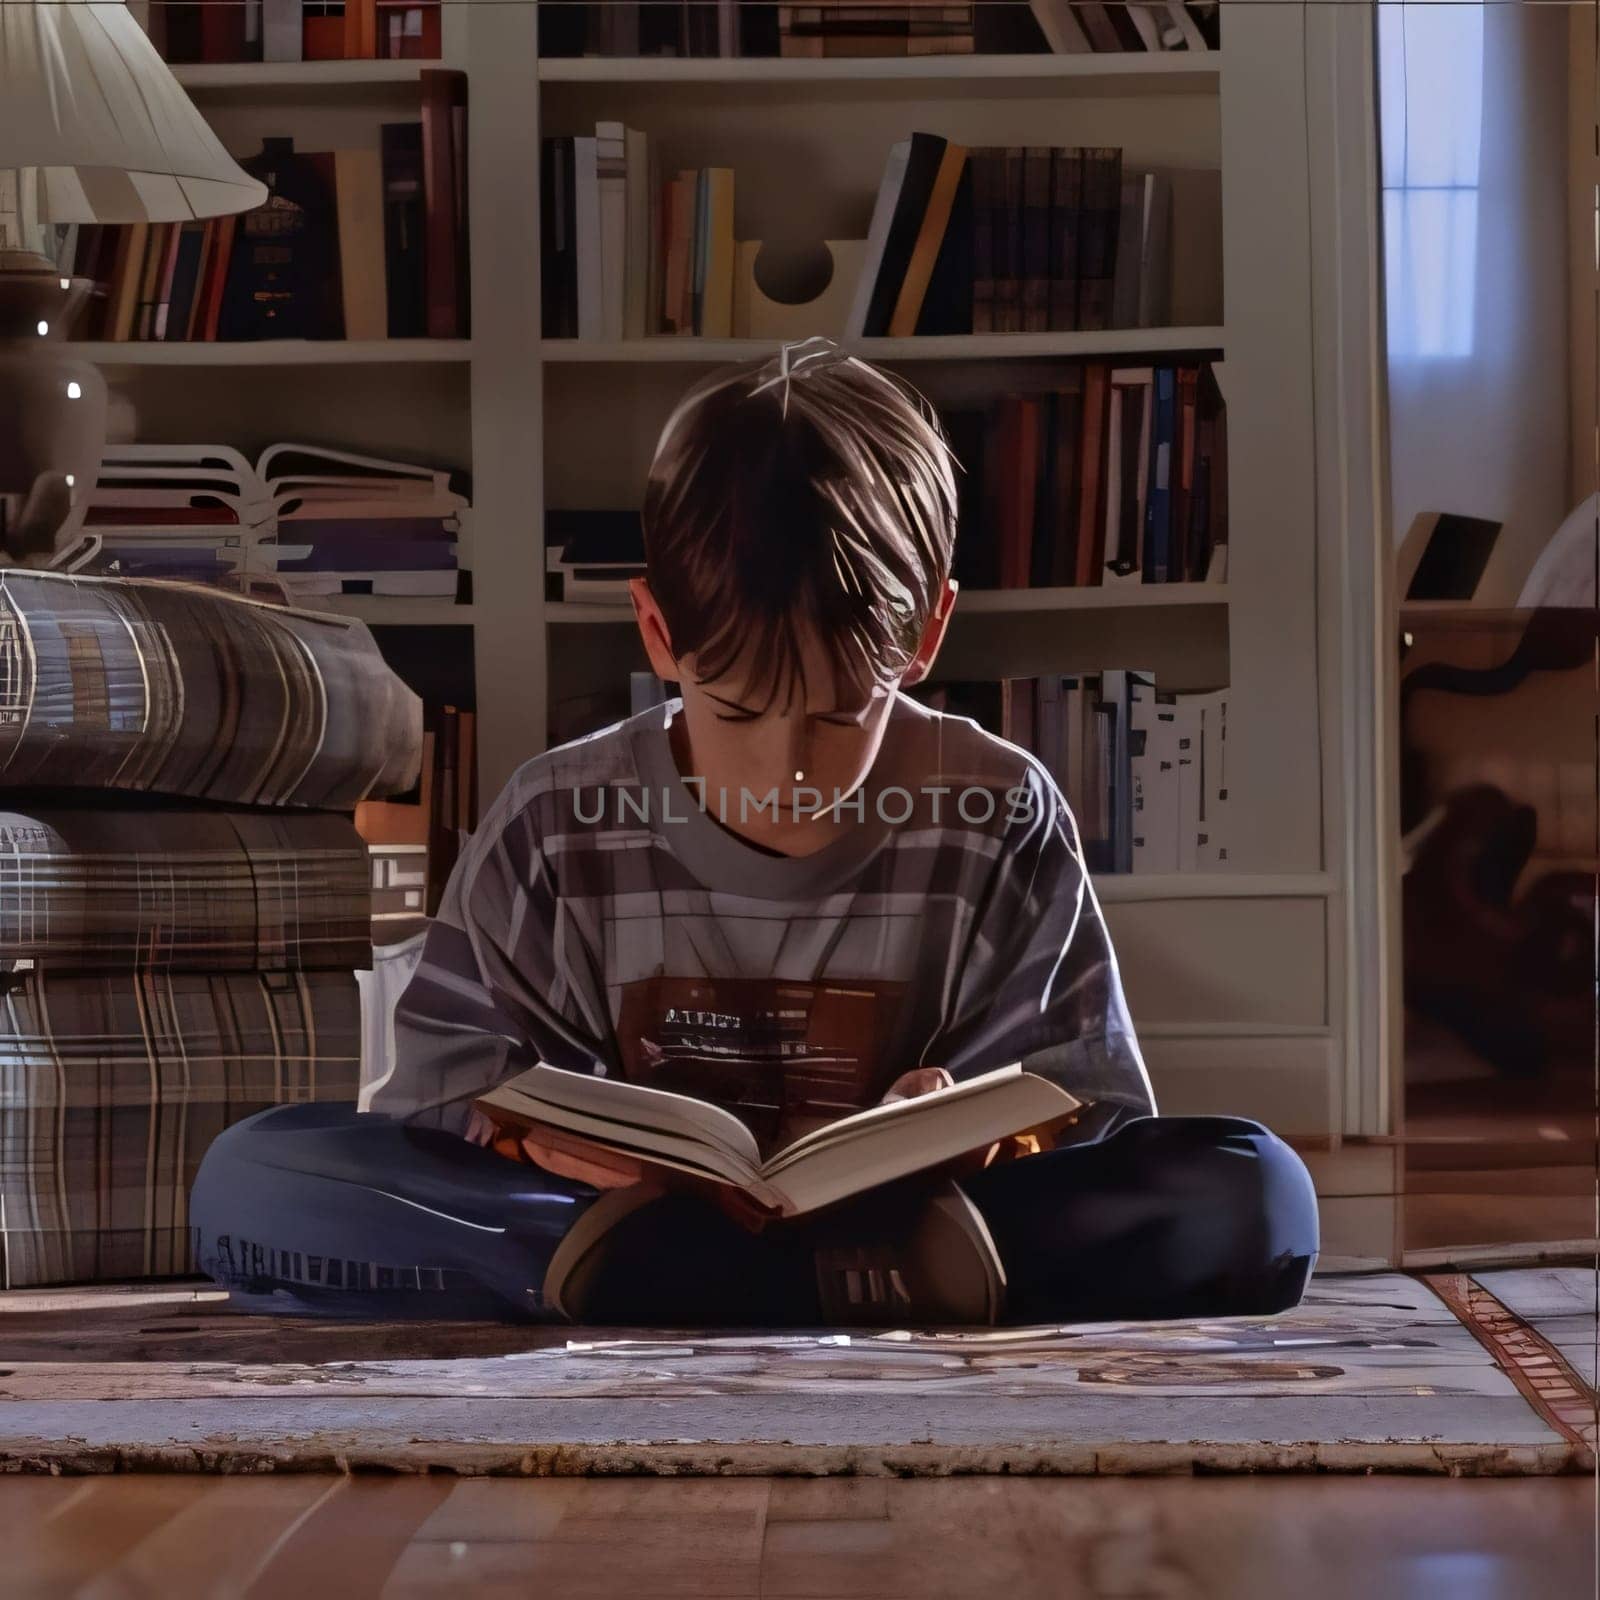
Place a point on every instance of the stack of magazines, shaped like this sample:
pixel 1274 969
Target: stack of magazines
pixel 184 901
pixel 300 523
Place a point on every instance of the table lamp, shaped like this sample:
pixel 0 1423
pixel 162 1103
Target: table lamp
pixel 93 128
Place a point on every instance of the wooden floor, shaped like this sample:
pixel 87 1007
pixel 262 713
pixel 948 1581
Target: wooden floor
pixel 303 1537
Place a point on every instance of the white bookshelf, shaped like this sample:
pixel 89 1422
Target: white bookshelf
pixel 1239 980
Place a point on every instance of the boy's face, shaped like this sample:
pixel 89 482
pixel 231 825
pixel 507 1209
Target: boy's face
pixel 822 733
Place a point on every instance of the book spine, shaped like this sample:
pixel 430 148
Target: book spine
pixel 1158 562
pixel 168 270
pixel 611 172
pixel 442 90
pixel 985 201
pixel 1183 557
pixel 716 309
pixel 1043 537
pixel 404 228
pixel 586 192
pixel 281 30
pixel 1097 236
pixel 358 185
pixel 1068 486
pixel 1008 243
pixel 1036 240
pixel 931 243
pixel 924 156
pixel 1091 548
pixel 1188 722
pixel 1066 200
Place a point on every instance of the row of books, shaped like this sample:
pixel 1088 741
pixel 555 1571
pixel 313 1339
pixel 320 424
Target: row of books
pixel 984 240
pixel 350 244
pixel 827 28
pixel 928 28
pixel 1144 772
pixel 1013 239
pixel 415 839
pixel 626 255
pixel 292 30
pixel 298 524
pixel 1115 475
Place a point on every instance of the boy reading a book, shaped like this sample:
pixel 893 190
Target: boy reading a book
pixel 794 893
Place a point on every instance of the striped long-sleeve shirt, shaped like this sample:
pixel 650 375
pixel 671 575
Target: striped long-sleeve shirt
pixel 601 920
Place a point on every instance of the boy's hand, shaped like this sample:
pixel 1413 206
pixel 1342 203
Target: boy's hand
pixel 921 1080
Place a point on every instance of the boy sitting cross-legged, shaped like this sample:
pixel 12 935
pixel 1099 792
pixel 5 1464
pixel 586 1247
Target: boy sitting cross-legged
pixel 795 892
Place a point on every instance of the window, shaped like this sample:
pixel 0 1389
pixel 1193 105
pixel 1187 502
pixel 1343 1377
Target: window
pixel 1430 74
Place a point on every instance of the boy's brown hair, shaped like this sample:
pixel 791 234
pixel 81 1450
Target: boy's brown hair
pixel 810 493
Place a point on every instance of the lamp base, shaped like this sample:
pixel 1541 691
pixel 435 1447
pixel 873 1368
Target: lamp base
pixel 52 411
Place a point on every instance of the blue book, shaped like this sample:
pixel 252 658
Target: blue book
pixel 1158 499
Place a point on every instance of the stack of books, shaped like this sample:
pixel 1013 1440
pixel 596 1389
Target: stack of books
pixel 292 30
pixel 299 524
pixel 625 254
pixel 863 28
pixel 591 555
pixel 348 524
pixel 180 932
pixel 1145 774
pixel 1115 475
pixel 1013 239
pixel 380 250
pixel 923 28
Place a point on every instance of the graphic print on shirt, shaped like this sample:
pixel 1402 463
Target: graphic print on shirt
pixel 784 1057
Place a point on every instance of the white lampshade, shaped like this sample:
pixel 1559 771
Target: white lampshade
pixel 87 101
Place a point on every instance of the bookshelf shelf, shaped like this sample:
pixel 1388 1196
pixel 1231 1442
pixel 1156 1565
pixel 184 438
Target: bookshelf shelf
pixel 948 347
pixel 1121 74
pixel 297 75
pixel 976 602
pixel 276 353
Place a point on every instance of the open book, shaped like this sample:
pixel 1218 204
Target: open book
pixel 571 1110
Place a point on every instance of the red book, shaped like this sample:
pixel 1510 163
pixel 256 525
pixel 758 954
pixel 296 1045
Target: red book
pixel 1064 482
pixel 222 31
pixel 360 30
pixel 322 38
pixel 1019 467
pixel 217 275
pixel 1091 551
pixel 442 91
pixel 196 328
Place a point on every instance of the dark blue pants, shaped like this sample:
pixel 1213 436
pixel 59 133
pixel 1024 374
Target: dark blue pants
pixel 319 1209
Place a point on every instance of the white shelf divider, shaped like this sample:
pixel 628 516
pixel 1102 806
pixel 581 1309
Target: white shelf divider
pixel 304 75
pixel 976 602
pixel 1196 72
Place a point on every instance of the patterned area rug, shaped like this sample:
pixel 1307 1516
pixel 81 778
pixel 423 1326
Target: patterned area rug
pixel 1489 1374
